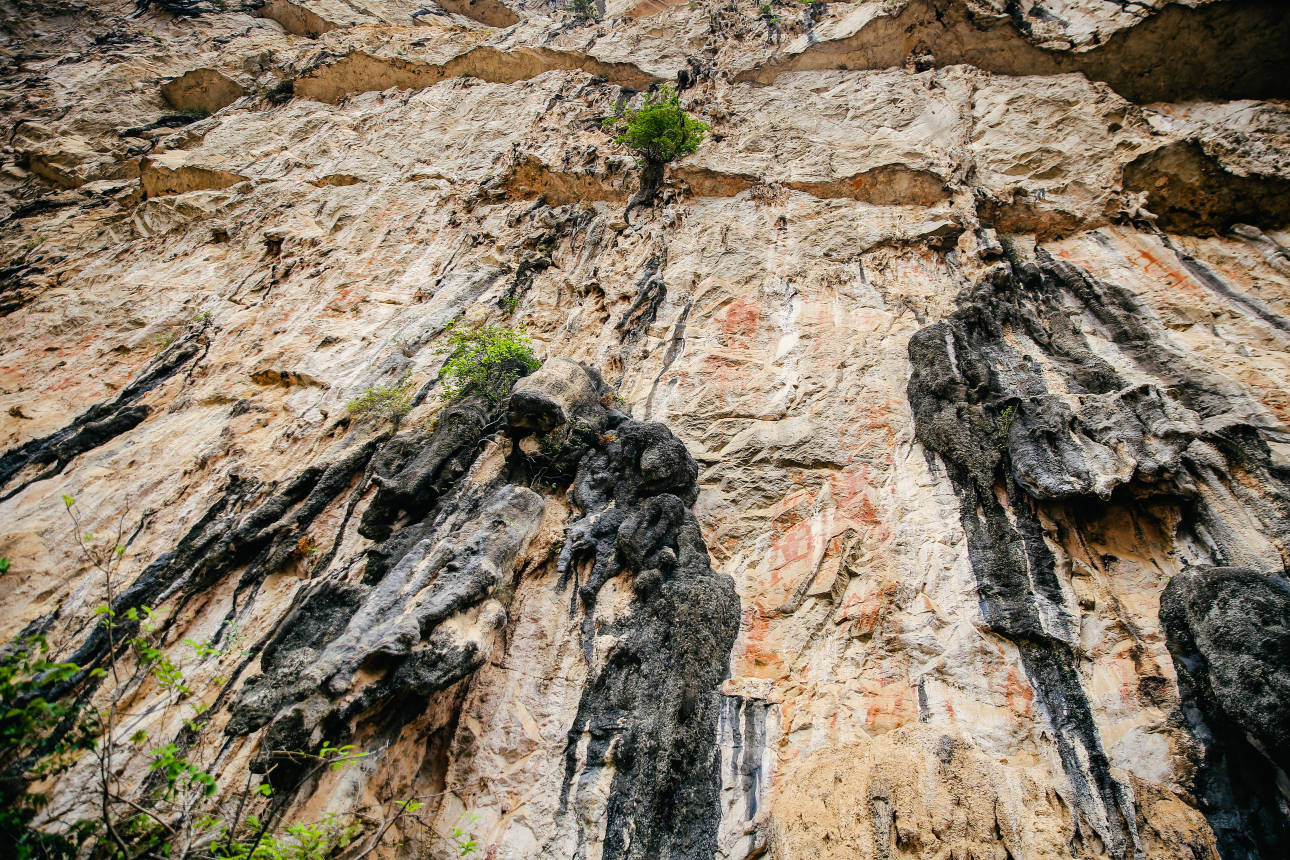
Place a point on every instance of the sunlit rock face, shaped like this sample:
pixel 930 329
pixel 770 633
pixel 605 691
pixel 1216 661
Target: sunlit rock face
pixel 909 478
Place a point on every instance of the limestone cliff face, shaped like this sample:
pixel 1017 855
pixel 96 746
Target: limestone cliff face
pixel 911 479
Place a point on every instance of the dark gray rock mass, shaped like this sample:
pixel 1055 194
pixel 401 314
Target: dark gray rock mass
pixel 1229 632
pixel 1014 445
pixel 651 710
pixel 445 540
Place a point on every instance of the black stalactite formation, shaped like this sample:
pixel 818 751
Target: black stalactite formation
pixel 651 710
pixel 1229 632
pixel 366 642
pixel 1014 448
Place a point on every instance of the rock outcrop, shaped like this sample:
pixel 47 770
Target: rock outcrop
pixel 909 476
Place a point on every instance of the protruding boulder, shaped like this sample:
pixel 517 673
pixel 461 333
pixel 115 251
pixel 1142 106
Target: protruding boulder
pixel 552 395
pixel 1229 630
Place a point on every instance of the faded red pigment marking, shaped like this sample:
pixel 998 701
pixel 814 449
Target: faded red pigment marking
pixel 740 321
pixel 1017 693
pixel 849 496
pixel 1174 277
pixel 758 660
pixel 893 708
pixel 796 546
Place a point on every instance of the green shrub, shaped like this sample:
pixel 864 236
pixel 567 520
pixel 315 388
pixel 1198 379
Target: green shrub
pixel 484 360
pixel 385 401
pixel 583 10
pixel 660 130
pixel 32 745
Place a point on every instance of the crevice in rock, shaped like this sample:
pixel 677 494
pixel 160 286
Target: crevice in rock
pixel 201 91
pixel 492 13
pixel 359 72
pixel 886 185
pixel 706 182
pixel 46 457
pixel 531 180
pixel 159 179
pixel 1218 51
pixel 1015 447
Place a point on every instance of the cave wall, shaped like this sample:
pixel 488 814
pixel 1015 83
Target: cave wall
pixel 931 488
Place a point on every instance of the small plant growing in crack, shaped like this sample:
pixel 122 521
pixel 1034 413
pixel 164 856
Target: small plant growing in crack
pixel 1005 421
pixel 658 132
pixel 583 11
pixel 384 401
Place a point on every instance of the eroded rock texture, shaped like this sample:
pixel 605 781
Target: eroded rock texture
pixel 1014 395
pixel 909 476
pixel 1229 632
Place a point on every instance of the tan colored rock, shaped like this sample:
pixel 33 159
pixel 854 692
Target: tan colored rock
pixel 867 167
pixel 557 392
pixel 202 91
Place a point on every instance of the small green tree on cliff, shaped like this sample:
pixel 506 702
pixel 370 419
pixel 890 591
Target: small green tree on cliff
pixel 658 132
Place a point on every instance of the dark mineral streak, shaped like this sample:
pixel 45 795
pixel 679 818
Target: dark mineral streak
pixel 97 425
pixel 651 710
pixel 1012 448
pixel 1228 630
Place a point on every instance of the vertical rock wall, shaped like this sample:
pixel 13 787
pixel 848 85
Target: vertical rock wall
pixel 911 478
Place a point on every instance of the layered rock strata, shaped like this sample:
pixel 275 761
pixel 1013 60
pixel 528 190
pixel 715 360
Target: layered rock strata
pixel 930 496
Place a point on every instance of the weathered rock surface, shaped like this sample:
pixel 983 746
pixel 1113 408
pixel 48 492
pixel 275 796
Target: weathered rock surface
pixel 910 478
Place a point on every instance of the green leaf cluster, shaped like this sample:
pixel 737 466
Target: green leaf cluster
pixel 32 745
pixel 317 840
pixel 583 10
pixel 385 401
pixel 660 130
pixel 484 360
pixel 179 773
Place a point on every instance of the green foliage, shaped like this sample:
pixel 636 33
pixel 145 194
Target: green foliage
pixel 484 359
pixel 339 757
pixel 465 840
pixel 31 745
pixel 179 773
pixel 4 566
pixel 175 812
pixel 583 10
pixel 660 130
pixel 317 840
pixel 385 401
pixel 1005 421
pixel 25 716
pixel 767 13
